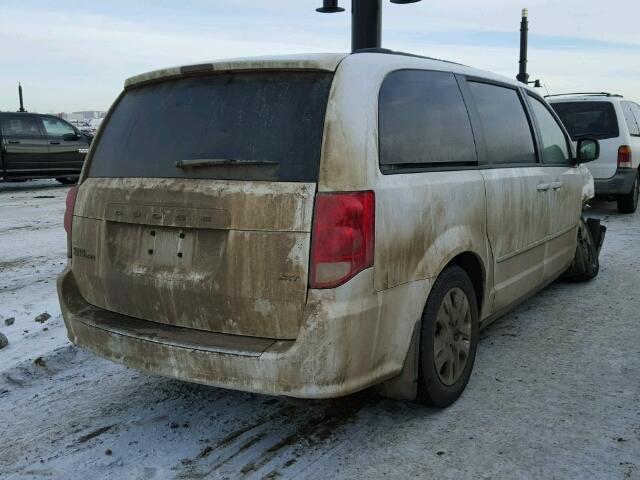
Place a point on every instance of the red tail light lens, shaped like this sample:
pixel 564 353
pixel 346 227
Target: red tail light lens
pixel 342 241
pixel 624 157
pixel 68 213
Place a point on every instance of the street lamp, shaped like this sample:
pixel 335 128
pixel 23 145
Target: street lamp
pixel 21 110
pixel 366 21
pixel 523 76
pixel 330 6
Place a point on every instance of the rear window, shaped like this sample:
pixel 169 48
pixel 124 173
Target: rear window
pixel 588 119
pixel 242 126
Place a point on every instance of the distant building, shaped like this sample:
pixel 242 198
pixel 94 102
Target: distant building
pixel 82 116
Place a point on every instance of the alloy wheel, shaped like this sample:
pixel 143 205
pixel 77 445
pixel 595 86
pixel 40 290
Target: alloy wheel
pixel 452 336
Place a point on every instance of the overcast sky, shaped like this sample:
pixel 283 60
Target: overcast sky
pixel 75 55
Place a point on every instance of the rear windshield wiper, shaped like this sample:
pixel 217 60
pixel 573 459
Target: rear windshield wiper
pixel 220 162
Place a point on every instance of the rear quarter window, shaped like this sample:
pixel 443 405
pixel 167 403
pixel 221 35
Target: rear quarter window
pixel 588 119
pixel 21 126
pixel 630 118
pixel 635 108
pixel 423 122
pixel 270 124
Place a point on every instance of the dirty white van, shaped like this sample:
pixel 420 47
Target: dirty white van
pixel 311 226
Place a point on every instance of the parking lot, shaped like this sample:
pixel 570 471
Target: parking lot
pixel 555 392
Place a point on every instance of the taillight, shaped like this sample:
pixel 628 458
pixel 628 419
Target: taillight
pixel 342 239
pixel 624 157
pixel 68 215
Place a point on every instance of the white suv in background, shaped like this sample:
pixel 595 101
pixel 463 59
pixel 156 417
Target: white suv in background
pixel 614 121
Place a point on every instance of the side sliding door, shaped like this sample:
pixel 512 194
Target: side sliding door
pixel 517 188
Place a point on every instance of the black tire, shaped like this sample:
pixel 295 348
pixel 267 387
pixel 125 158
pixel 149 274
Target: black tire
pixel 432 389
pixel 629 203
pixel 68 180
pixel 586 264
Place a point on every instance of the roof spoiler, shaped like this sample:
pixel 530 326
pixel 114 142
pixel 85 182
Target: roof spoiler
pixel 590 94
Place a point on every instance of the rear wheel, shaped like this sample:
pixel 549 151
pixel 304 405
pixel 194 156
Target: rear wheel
pixel 68 180
pixel 448 340
pixel 629 203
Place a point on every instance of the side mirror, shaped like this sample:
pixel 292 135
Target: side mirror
pixel 588 150
pixel 70 137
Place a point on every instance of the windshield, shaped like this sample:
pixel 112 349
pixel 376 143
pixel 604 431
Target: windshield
pixel 588 119
pixel 238 126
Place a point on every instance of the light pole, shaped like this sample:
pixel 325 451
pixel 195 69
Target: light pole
pixel 523 76
pixel 22 110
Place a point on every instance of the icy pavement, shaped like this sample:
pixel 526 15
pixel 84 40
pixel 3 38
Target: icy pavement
pixel 555 392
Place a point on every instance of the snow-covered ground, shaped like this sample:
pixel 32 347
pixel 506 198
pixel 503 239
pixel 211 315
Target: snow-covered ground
pixel 555 392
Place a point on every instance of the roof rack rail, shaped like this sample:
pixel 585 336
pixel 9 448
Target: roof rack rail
pixel 404 54
pixel 591 94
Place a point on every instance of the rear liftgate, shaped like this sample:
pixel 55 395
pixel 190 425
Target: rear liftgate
pixel 221 256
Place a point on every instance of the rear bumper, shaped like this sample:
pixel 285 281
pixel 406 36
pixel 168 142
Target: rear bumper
pixel 620 184
pixel 345 345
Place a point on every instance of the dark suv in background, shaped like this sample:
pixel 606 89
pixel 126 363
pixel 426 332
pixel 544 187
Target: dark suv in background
pixel 40 146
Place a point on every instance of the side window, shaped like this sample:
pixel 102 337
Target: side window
pixel 423 122
pixel 635 108
pixel 21 126
pixel 555 149
pixel 506 128
pixel 630 118
pixel 57 128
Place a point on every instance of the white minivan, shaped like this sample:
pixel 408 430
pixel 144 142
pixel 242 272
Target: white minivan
pixel 314 225
pixel 615 122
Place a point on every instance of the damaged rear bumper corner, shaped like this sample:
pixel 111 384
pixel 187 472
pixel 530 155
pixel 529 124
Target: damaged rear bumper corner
pixel 340 350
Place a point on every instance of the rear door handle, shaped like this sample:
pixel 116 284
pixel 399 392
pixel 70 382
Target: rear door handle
pixel 54 142
pixel 557 185
pixel 13 142
pixel 543 187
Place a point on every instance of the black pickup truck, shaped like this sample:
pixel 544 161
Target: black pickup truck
pixel 40 146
